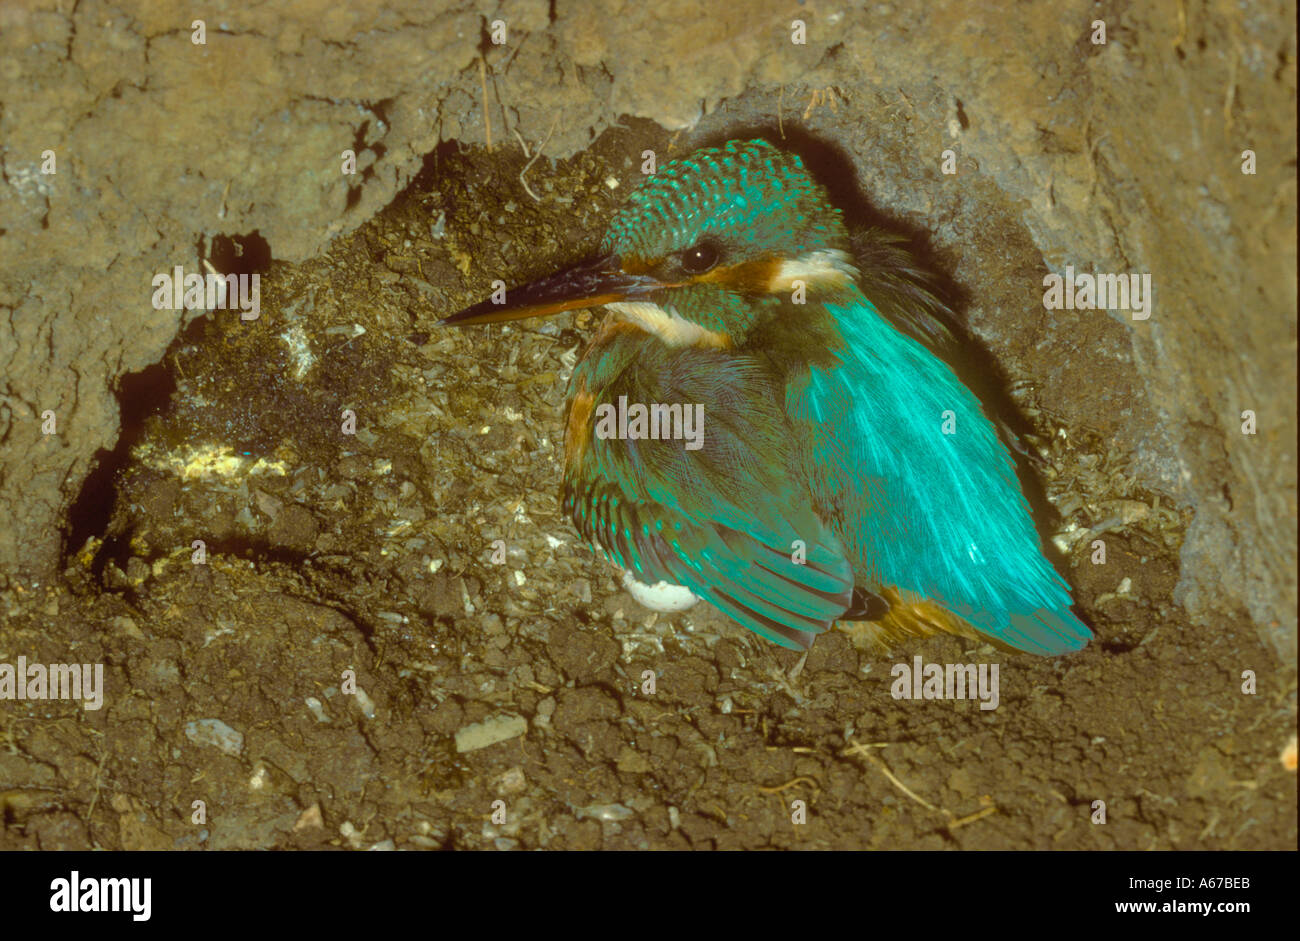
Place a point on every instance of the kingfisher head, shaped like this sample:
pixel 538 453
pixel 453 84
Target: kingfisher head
pixel 714 246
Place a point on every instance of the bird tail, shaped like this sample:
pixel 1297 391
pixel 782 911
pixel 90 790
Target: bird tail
pixel 907 618
pixel 910 617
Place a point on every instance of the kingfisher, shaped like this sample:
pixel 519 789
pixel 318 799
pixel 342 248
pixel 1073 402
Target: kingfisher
pixel 762 422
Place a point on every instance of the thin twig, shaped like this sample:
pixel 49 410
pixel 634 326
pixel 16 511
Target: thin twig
pixel 487 118
pixel 99 771
pixel 522 143
pixel 953 820
pixel 533 159
pixel 971 818
pixel 788 784
pixel 798 667
pixel 884 769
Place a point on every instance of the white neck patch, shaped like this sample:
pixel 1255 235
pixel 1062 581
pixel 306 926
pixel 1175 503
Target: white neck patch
pixel 668 325
pixel 830 267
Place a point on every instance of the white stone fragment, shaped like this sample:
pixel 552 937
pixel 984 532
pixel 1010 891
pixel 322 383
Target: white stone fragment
pixel 215 733
pixel 489 732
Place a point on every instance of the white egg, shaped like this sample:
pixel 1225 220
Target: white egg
pixel 661 596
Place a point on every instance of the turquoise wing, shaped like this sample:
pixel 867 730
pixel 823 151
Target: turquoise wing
pixel 924 491
pixel 726 519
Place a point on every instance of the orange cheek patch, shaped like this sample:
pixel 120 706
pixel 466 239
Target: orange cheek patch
pixel 610 328
pixel 578 428
pixel 748 277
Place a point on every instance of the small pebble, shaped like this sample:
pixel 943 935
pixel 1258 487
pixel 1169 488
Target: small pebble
pixel 317 709
pixel 215 733
pixel 365 703
pixel 500 728
pixel 606 812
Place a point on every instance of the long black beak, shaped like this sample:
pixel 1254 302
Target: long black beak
pixel 589 284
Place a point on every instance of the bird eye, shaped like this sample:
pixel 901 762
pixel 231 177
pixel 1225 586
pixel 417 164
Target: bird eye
pixel 700 257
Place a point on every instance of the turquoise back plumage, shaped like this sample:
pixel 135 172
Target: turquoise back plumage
pixel 940 516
